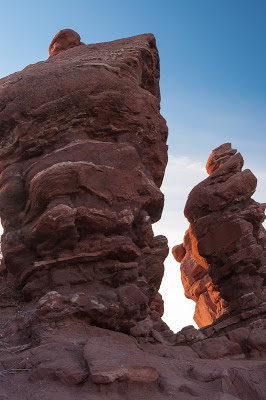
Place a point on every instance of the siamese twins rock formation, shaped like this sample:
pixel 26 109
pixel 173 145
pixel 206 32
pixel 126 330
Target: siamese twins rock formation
pixel 82 157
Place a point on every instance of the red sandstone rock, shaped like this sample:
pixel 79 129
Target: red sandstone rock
pixel 109 360
pixel 179 252
pixel 83 155
pixel 256 341
pixel 72 357
pixel 64 40
pixel 158 304
pixel 240 383
pixel 219 156
pixel 224 247
pixel 218 348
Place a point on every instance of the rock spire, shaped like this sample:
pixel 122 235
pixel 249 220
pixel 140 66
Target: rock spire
pixel 82 157
pixel 222 257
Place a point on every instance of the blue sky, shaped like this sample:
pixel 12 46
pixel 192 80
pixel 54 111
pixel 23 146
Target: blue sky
pixel 213 59
pixel 213 85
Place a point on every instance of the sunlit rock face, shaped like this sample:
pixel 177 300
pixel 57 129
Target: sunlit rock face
pixel 64 40
pixel 82 157
pixel 223 255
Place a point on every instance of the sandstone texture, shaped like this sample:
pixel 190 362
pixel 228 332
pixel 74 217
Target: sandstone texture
pixel 64 40
pixel 82 157
pixel 223 257
pixel 68 359
pixel 83 153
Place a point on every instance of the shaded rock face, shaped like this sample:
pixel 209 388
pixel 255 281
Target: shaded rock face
pixel 222 258
pixel 82 156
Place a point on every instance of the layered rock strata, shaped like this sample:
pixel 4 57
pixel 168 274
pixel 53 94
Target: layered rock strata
pixel 69 359
pixel 81 170
pixel 82 157
pixel 223 257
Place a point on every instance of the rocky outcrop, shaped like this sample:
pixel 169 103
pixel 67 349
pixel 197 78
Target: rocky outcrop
pixel 83 153
pixel 82 156
pixel 64 40
pixel 71 359
pixel 223 257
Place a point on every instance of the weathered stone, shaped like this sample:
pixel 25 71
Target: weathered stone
pixel 64 40
pixel 109 359
pixel 157 304
pixel 83 153
pixel 256 342
pixel 238 335
pixel 218 348
pixel 244 384
pixel 219 156
pixel 179 252
pixel 222 268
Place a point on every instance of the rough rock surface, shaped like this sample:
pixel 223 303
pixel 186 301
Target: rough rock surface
pixel 64 40
pixel 223 257
pixel 68 359
pixel 83 154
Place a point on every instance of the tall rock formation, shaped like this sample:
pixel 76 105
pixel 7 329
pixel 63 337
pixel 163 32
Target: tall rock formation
pixel 223 257
pixel 82 156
